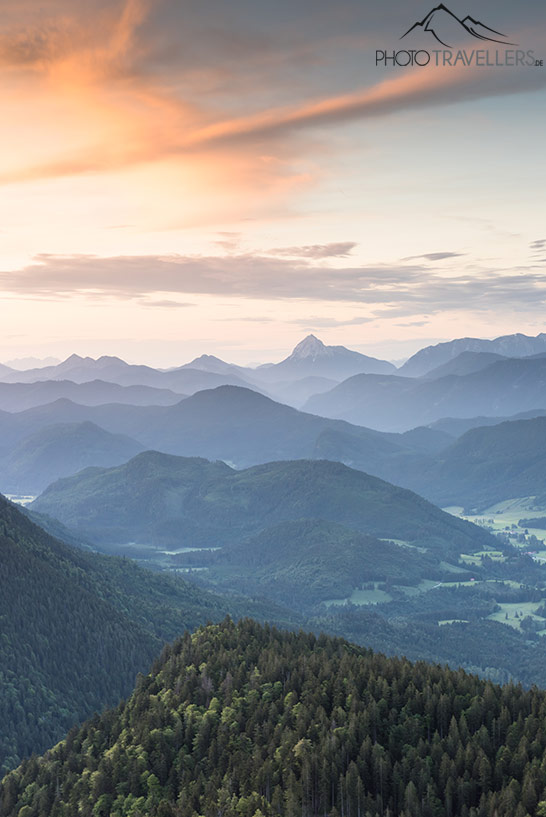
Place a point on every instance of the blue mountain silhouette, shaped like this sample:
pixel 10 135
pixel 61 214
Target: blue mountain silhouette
pixel 444 26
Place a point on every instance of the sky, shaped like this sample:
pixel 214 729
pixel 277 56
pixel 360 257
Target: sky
pixel 225 177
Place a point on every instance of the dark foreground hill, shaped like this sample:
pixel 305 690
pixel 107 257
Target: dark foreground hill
pixel 243 721
pixel 158 499
pixel 76 627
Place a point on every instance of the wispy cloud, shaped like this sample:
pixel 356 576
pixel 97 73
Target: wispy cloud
pixel 333 250
pixel 315 322
pixel 229 241
pixel 166 303
pixel 434 256
pixel 434 86
pixel 397 290
pixel 104 42
pixel 538 248
pixel 247 319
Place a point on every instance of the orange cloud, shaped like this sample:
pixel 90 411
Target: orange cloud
pixel 87 96
pixel 100 42
pixel 414 89
pixel 158 125
pixel 88 85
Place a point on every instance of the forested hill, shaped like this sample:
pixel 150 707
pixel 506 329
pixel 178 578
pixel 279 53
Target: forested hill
pixel 245 721
pixel 189 501
pixel 77 627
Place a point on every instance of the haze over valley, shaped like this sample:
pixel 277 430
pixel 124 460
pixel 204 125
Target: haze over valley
pixel 420 531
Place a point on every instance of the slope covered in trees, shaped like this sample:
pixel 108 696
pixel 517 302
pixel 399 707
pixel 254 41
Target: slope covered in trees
pixel 58 451
pixel 157 498
pixel 244 721
pixel 76 627
pixel 488 465
pixel 308 561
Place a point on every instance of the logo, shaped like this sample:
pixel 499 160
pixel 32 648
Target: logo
pixel 444 26
pixel 460 38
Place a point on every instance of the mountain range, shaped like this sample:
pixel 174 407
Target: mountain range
pixel 303 380
pixel 430 357
pixel 242 428
pixel 15 397
pixel 113 370
pixel 310 358
pixel 396 403
pixel 229 423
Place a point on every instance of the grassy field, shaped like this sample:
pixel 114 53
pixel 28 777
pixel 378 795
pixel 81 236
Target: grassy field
pixel 478 582
pixel 377 596
pixel 449 568
pixel 422 587
pixel 505 514
pixel 469 583
pixel 507 613
pixel 363 597
pixel 405 544
pixel 476 558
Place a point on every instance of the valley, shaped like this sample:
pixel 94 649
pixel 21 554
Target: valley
pixel 158 518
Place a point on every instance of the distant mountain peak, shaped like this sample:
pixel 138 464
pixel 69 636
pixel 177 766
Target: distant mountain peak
pixel 74 358
pixel 310 346
pixel 213 364
pixel 103 360
pixel 107 359
pixel 207 359
pixel 312 357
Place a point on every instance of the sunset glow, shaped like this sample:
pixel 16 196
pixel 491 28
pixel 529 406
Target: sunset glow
pixel 177 178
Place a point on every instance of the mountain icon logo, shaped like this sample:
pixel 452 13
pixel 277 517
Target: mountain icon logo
pixel 447 28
